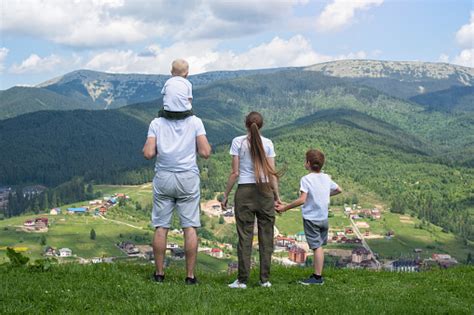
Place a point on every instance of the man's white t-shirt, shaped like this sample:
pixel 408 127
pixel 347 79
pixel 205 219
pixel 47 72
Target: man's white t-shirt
pixel 318 186
pixel 176 143
pixel 241 148
pixel 176 94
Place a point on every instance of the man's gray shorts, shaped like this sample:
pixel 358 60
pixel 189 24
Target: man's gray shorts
pixel 316 232
pixel 178 190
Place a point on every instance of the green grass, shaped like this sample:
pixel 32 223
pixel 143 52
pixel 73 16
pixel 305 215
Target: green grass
pixel 126 288
pixel 290 222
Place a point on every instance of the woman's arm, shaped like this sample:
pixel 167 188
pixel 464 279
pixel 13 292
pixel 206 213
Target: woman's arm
pixel 298 202
pixel 149 149
pixel 274 181
pixel 233 176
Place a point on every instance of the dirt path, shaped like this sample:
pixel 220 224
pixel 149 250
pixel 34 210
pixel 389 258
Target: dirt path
pixel 120 222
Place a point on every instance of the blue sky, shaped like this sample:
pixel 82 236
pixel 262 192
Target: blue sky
pixel 43 39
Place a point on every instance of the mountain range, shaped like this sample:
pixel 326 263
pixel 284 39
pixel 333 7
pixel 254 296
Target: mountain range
pixel 401 130
pixel 86 89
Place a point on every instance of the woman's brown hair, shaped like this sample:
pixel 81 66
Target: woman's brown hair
pixel 315 158
pixel 253 122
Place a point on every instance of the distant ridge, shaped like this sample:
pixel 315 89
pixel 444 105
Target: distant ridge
pixel 412 71
pixel 113 90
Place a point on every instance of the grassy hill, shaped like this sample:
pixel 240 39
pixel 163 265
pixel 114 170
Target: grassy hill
pixel 125 288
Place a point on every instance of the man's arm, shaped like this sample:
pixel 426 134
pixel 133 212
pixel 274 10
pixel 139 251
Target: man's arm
pixel 203 146
pixel 149 149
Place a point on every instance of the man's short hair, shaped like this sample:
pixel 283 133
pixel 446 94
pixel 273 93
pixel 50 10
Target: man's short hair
pixel 179 67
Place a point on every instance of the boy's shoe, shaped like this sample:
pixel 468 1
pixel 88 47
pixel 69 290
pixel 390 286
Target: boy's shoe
pixel 237 285
pixel 313 280
pixel 190 281
pixel 158 278
pixel 267 284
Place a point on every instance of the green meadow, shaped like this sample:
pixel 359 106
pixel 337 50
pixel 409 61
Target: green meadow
pixel 127 289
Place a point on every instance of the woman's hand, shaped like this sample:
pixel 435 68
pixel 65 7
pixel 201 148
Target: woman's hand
pixel 224 203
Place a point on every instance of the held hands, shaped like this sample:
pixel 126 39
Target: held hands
pixel 279 206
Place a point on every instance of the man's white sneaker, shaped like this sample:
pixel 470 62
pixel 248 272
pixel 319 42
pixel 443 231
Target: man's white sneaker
pixel 237 285
pixel 265 284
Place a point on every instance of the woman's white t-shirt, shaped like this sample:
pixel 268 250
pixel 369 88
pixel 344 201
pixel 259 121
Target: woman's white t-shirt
pixel 241 147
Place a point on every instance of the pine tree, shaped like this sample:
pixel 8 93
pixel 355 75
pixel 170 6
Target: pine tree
pixel 45 201
pixel 92 234
pixel 36 205
pixel 43 240
pixel 54 199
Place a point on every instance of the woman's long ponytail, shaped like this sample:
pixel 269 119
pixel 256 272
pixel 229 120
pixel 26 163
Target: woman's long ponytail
pixel 262 169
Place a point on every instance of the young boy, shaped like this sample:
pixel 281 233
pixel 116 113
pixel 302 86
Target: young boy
pixel 316 188
pixel 177 93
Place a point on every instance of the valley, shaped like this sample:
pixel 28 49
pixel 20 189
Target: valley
pixel 389 143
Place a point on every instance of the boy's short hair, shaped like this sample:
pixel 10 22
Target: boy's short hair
pixel 179 67
pixel 315 158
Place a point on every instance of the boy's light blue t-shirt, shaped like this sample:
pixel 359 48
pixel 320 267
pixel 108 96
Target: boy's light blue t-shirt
pixel 318 186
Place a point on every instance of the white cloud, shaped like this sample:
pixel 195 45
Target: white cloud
pixel 109 23
pixel 340 13
pixel 465 35
pixel 443 58
pixel 465 58
pixel 3 55
pixel 82 23
pixel 51 63
pixel 36 64
pixel 202 57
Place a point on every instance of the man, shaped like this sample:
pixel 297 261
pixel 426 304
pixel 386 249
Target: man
pixel 176 184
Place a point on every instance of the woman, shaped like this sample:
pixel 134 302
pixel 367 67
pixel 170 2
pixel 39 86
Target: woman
pixel 253 165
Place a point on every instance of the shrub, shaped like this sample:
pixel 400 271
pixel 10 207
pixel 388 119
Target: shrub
pixel 92 234
pixel 16 258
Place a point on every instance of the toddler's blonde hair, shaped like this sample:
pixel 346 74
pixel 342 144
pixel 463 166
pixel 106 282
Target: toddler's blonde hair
pixel 180 67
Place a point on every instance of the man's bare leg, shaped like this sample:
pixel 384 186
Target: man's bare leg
pixel 159 249
pixel 190 248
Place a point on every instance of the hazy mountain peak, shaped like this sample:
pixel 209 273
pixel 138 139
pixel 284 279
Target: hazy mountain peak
pixel 411 71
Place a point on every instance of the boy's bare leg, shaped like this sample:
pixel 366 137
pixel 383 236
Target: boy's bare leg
pixel 318 261
pixel 190 248
pixel 159 249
